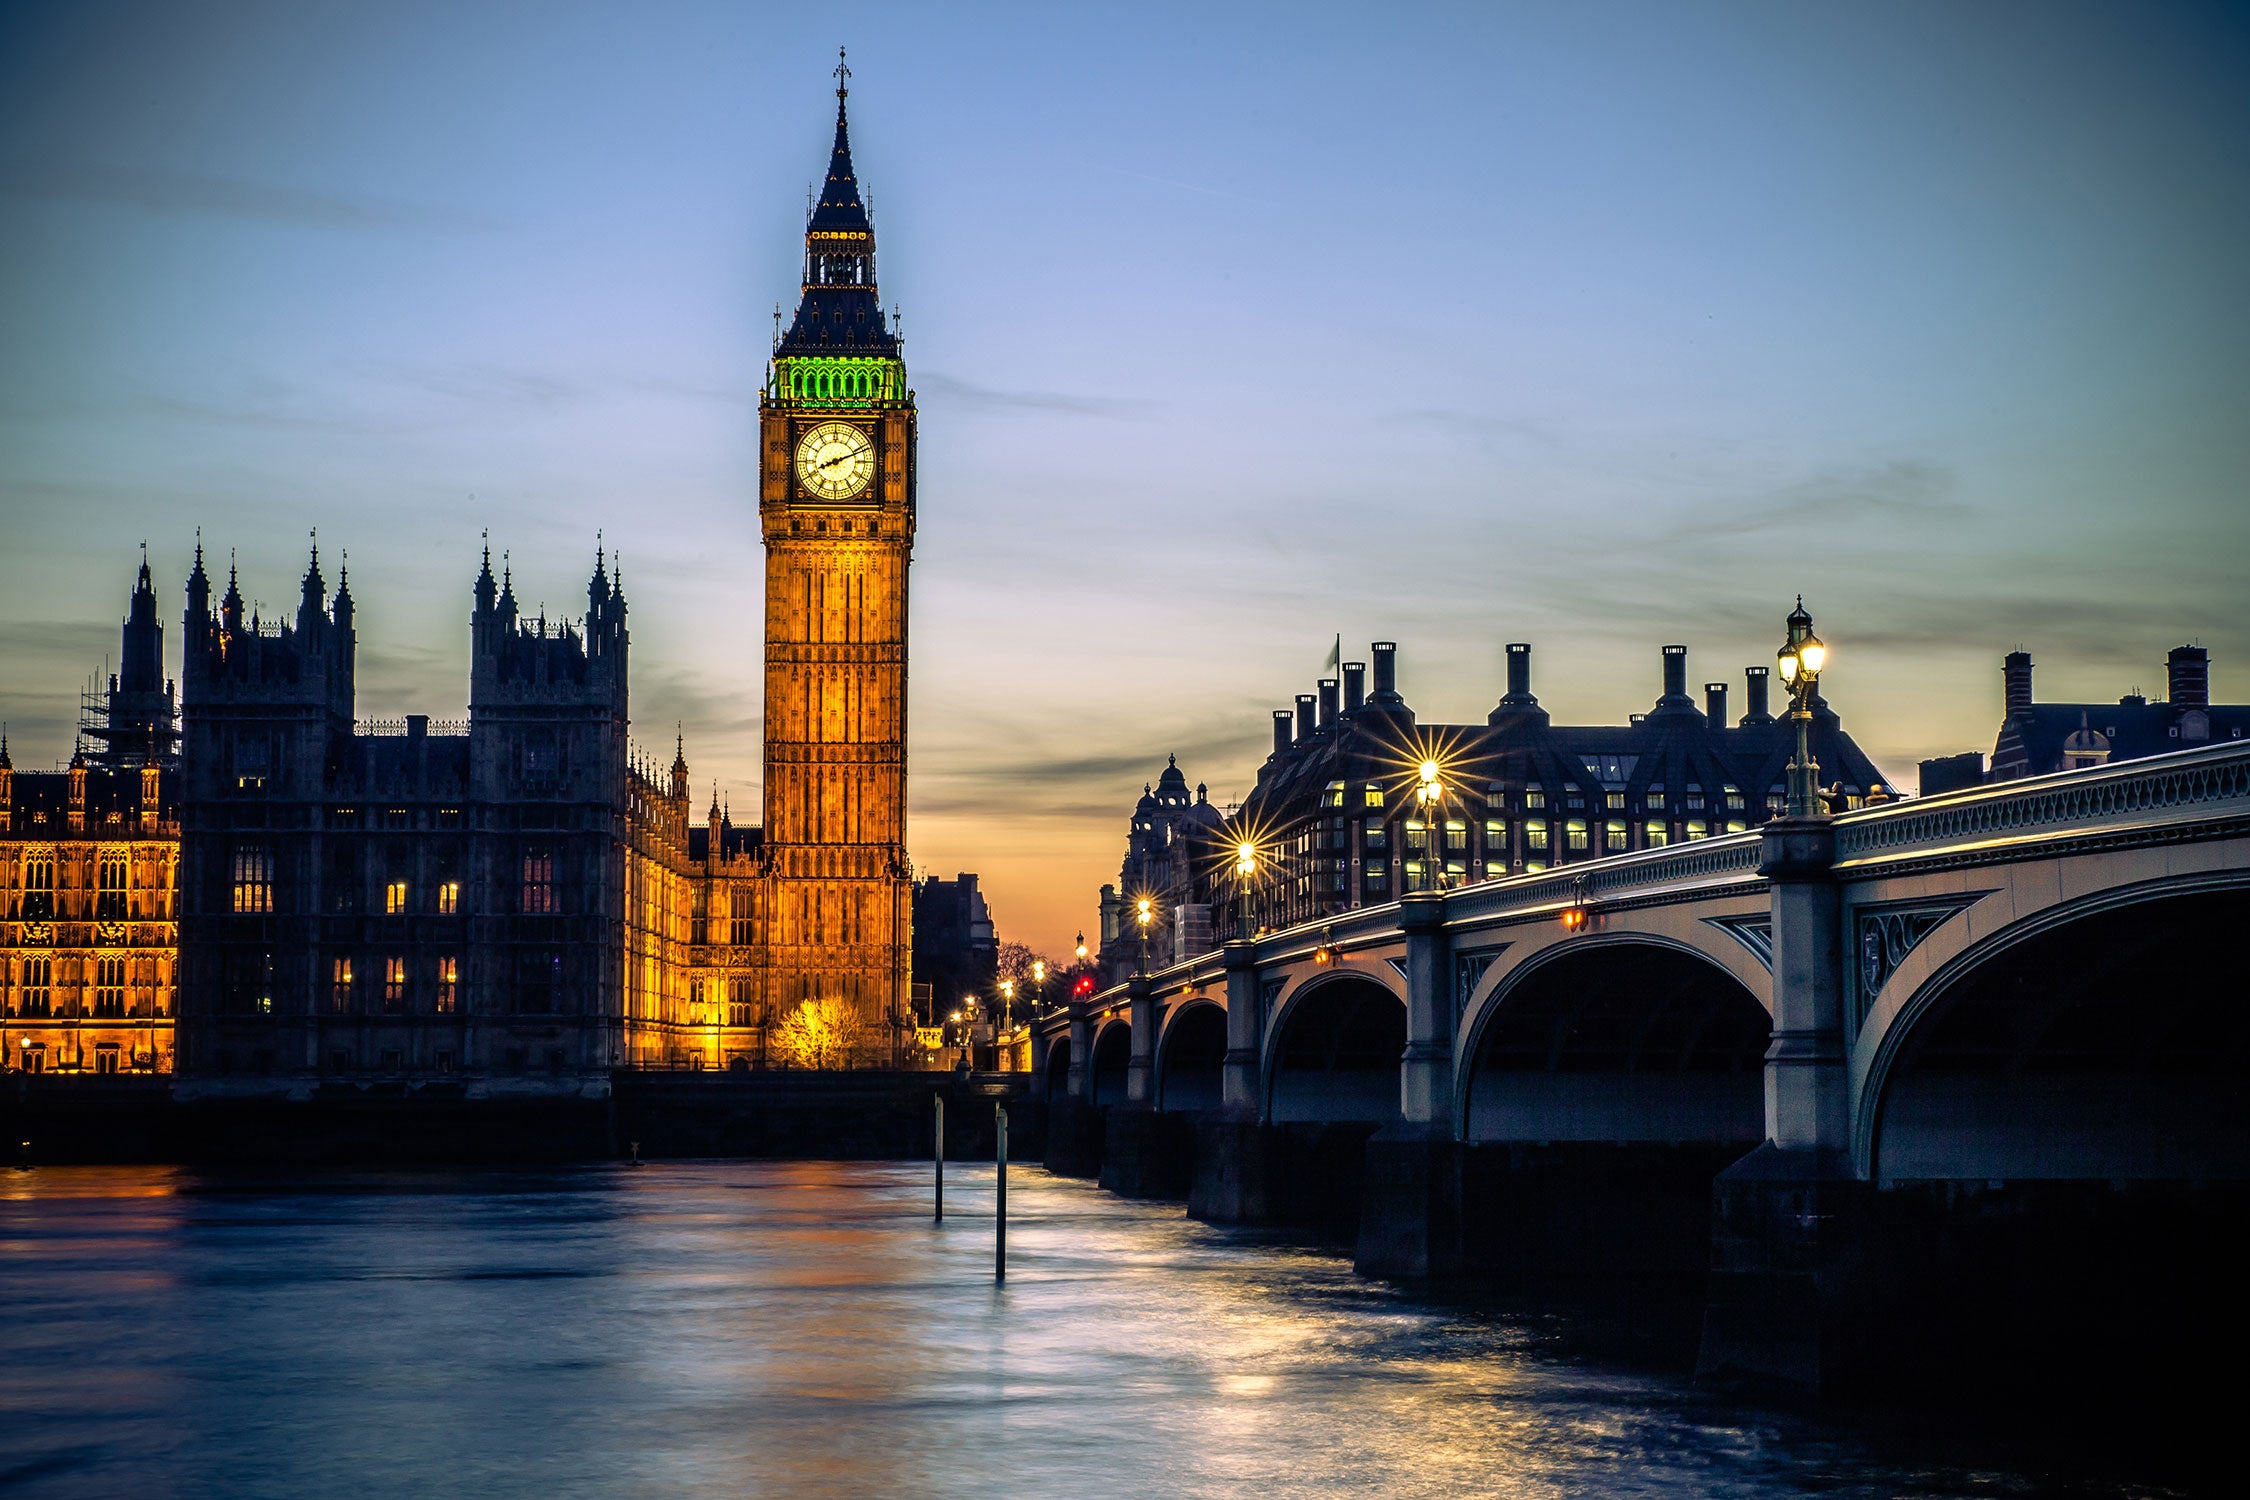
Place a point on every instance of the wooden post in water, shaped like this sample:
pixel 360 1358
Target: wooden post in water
pixel 1000 1215
pixel 938 1160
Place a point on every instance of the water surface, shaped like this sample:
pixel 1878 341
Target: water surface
pixel 755 1328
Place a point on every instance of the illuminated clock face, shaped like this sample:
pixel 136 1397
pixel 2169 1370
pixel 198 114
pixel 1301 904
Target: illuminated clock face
pixel 835 460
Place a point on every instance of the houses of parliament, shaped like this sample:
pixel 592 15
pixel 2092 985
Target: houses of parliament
pixel 259 893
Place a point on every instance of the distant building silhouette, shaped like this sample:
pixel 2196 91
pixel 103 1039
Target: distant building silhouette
pixel 956 948
pixel 2037 738
pixel 1166 824
pixel 1336 823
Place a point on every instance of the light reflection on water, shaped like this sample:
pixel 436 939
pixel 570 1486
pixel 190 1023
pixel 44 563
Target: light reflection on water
pixel 751 1328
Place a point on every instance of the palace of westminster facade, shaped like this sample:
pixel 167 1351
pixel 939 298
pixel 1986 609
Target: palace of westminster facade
pixel 258 893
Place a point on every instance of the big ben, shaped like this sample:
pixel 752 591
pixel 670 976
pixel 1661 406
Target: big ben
pixel 836 509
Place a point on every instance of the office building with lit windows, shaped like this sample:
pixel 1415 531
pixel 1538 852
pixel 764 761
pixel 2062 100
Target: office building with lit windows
pixel 1337 823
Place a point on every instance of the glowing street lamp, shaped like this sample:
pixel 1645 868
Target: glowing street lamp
pixel 1429 797
pixel 1245 870
pixel 1801 657
pixel 1144 911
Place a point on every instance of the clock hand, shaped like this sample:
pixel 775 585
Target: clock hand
pixel 839 458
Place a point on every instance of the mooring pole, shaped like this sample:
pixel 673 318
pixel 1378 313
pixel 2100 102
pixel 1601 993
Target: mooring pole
pixel 938 1159
pixel 1000 1216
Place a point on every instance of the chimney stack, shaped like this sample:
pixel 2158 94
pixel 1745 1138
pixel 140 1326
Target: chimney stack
pixel 1675 679
pixel 1355 685
pixel 2015 673
pixel 1519 677
pixel 1328 703
pixel 1715 702
pixel 1307 706
pixel 1754 695
pixel 1386 675
pixel 2187 677
pixel 1281 721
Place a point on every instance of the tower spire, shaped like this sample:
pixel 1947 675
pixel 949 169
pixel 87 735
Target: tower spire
pixel 840 312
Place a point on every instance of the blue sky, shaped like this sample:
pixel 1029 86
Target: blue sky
pixel 1234 328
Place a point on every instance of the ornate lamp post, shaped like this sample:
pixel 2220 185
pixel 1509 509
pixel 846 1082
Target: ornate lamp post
pixel 1429 797
pixel 1005 1024
pixel 1245 869
pixel 1144 910
pixel 1801 657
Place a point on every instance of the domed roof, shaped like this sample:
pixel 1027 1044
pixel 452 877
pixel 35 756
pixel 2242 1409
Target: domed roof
pixel 1171 787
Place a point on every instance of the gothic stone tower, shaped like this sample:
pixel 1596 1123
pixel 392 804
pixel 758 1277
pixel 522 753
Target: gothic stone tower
pixel 836 507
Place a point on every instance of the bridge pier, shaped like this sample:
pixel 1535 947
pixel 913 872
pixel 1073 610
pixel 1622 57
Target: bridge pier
pixel 1787 1221
pixel 1074 1125
pixel 1410 1208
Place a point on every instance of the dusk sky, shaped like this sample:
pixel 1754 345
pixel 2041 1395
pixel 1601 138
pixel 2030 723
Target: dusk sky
pixel 1234 328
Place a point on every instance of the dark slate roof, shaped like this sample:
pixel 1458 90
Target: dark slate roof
pixel 847 318
pixel 1675 749
pixel 734 843
pixel 2032 741
pixel 839 206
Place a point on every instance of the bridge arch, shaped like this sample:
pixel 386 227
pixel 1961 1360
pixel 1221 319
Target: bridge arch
pixel 1056 1078
pixel 1112 1057
pixel 1333 1050
pixel 1615 1037
pixel 2097 1038
pixel 1190 1056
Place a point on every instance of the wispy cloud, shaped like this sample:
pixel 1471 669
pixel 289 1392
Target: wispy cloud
pixel 963 393
pixel 1903 490
pixel 169 191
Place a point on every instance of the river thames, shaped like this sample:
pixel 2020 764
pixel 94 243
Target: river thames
pixel 753 1328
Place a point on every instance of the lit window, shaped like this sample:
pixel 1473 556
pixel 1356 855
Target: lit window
pixel 39 888
pixel 340 986
pixel 1574 835
pixel 38 992
pixel 1496 840
pixel 253 878
pixel 1653 798
pixel 394 898
pixel 1698 829
pixel 539 883
pixel 1654 834
pixel 1377 836
pixel 1613 837
pixel 1371 797
pixel 1456 835
pixel 1736 825
pixel 394 986
pixel 1535 836
pixel 109 986
pixel 109 902
pixel 448 985
pixel 1333 796
pixel 1614 801
pixel 1534 796
pixel 1734 797
pixel 448 897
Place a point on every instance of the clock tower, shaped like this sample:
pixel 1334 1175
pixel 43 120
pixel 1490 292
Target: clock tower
pixel 836 509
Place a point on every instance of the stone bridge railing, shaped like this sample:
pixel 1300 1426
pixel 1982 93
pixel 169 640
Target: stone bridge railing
pixel 2142 800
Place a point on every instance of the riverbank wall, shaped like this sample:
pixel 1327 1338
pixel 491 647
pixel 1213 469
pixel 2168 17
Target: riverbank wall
pixel 837 1116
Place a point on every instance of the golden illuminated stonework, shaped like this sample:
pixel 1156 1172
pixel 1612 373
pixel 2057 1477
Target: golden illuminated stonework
pixel 836 508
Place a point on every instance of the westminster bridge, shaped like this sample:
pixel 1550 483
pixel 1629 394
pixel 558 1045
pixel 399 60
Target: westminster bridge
pixel 1987 1051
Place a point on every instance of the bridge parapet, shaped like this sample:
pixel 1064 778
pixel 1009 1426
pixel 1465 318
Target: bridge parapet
pixel 2179 791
